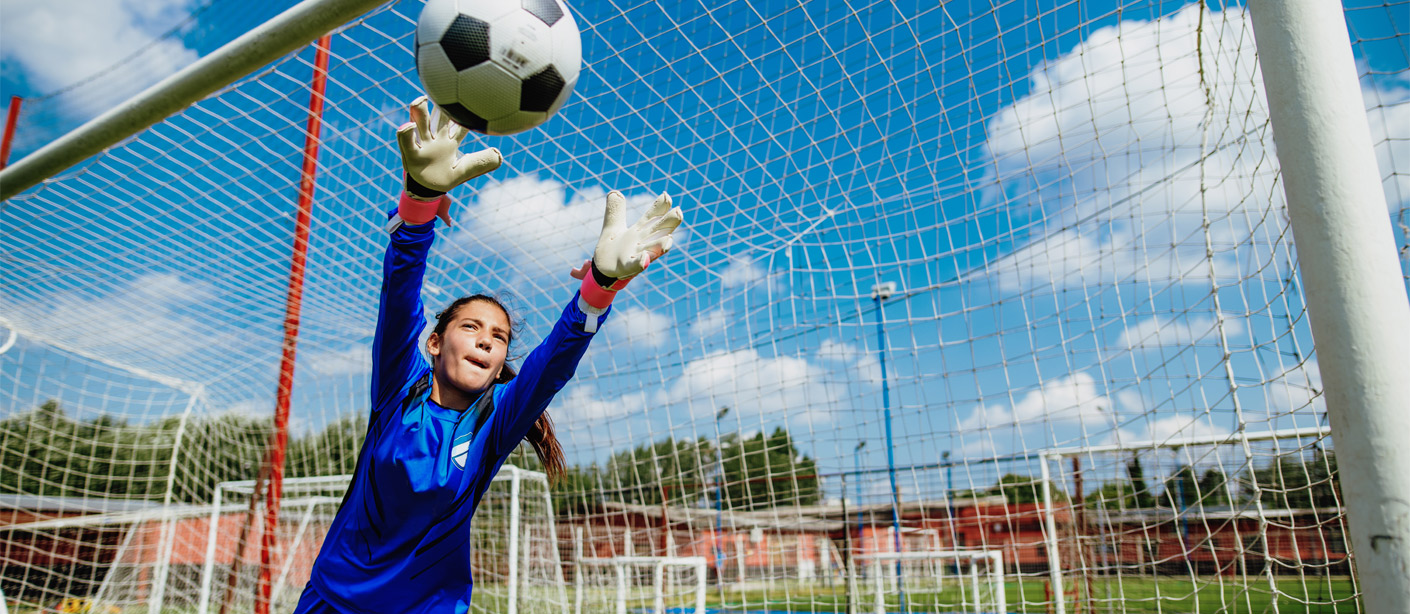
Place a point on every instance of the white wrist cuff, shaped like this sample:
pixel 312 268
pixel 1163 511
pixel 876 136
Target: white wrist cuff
pixel 594 315
pixel 393 223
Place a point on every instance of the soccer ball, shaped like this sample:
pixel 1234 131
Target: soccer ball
pixel 498 66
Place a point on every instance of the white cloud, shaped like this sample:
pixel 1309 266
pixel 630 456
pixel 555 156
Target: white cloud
pixel 757 388
pixel 355 360
pixel 785 388
pixel 1121 151
pixel 1130 401
pixel 1390 131
pixel 1297 387
pixel 249 408
pixel 641 327
pixel 1169 428
pixel 863 366
pixel 147 318
pixel 1069 399
pixel 711 323
pixel 742 271
pixel 1155 332
pixel 534 225
pixel 1068 258
pixel 57 44
pixel 582 406
pixel 1056 409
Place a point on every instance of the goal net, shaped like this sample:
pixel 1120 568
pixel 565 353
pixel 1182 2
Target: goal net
pixel 206 558
pixel 656 584
pixel 1226 513
pixel 514 553
pixel 937 581
pixel 931 249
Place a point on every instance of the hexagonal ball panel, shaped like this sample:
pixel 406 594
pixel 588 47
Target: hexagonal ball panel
pixel 437 74
pixel 562 98
pixel 487 10
pixel 518 122
pixel 547 11
pixel 436 16
pixel 467 42
pixel 538 93
pixel 567 47
pixel 520 44
pixel 489 91
pixel 464 117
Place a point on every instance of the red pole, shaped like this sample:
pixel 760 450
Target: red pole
pixel 10 120
pixel 232 579
pixel 291 322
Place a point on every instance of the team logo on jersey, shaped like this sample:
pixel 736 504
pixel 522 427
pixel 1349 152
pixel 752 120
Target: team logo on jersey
pixel 460 451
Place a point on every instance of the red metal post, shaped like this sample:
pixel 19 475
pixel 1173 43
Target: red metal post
pixel 10 119
pixel 291 322
pixel 232 578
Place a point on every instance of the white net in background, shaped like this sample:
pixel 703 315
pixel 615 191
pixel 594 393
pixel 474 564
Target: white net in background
pixel 1209 510
pixel 639 583
pixel 207 558
pixel 229 561
pixel 1077 204
pixel 936 581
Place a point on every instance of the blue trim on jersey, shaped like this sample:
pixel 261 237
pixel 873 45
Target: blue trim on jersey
pixel 401 540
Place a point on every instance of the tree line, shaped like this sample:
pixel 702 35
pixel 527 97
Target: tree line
pixel 1290 482
pixel 46 452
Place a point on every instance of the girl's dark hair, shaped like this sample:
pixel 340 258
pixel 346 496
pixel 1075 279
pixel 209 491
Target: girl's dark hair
pixel 541 435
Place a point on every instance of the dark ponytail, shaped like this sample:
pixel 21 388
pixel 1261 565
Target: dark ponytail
pixel 546 446
pixel 541 435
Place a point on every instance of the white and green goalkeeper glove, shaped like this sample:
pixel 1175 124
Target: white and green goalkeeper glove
pixel 433 165
pixel 623 252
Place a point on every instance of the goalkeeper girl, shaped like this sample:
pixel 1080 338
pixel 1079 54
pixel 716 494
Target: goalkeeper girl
pixel 439 431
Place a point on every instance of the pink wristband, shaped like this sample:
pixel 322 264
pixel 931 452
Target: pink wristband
pixel 415 212
pixel 597 296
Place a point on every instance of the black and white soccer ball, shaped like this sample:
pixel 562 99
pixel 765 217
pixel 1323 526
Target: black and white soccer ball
pixel 498 66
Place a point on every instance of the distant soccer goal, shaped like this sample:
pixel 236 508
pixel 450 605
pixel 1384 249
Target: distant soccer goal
pixel 656 584
pixel 969 581
pixel 1225 512
pixel 514 549
pixel 1013 277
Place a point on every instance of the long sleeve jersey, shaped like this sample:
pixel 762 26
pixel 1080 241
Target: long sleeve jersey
pixel 401 539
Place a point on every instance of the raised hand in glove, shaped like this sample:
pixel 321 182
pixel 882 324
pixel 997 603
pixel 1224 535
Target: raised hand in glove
pixel 433 164
pixel 623 252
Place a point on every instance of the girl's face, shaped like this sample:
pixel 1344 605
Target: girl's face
pixel 471 352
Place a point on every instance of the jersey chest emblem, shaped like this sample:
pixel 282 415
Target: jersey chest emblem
pixel 458 452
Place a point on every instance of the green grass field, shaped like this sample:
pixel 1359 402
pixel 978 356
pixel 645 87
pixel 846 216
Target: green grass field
pixel 1127 595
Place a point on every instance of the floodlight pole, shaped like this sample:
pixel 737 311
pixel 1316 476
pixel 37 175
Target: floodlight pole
pixel 292 308
pixel 720 507
pixel 950 498
pixel 879 293
pixel 1351 280
pixel 852 590
pixel 857 466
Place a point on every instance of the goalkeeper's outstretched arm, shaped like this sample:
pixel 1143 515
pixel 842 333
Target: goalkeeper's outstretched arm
pixel 622 253
pixel 432 166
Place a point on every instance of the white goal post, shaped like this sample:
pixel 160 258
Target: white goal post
pixel 1208 507
pixel 622 574
pixel 1105 279
pixel 980 572
pixel 523 549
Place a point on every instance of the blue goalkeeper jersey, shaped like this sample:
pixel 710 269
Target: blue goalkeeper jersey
pixel 401 539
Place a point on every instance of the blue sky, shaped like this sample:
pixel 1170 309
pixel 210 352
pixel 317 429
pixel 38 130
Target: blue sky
pixel 1035 181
